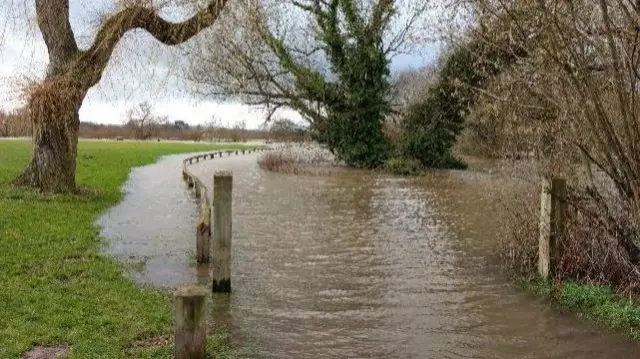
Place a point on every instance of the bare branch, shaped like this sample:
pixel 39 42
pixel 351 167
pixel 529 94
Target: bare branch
pixel 138 17
pixel 53 20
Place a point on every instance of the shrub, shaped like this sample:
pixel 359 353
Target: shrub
pixel 403 166
pixel 276 162
pixel 518 245
pixel 593 251
pixel 298 159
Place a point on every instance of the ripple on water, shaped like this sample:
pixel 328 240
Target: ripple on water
pixel 353 266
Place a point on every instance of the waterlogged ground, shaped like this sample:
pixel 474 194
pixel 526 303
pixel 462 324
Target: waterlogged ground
pixel 353 265
pixel 153 228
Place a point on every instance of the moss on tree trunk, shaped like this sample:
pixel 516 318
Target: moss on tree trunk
pixel 53 111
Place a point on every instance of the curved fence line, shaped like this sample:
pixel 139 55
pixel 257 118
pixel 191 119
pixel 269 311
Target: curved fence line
pixel 203 227
pixel 201 190
pixel 190 328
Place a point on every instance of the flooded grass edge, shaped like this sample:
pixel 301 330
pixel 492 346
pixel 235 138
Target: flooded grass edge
pixel 60 287
pixel 597 303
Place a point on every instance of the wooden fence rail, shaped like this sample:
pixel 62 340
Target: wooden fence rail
pixel 190 301
pixel 201 191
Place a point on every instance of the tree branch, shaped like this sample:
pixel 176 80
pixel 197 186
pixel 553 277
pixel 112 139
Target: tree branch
pixel 53 21
pixel 138 17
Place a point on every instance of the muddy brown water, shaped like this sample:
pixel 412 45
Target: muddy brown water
pixel 352 266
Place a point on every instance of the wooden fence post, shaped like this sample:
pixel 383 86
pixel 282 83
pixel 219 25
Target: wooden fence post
pixel 552 219
pixel 196 185
pixel 222 194
pixel 190 329
pixel 203 237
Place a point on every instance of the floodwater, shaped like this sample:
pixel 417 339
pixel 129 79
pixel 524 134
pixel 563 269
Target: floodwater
pixel 353 265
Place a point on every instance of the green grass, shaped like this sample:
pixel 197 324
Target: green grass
pixel 55 285
pixel 216 348
pixel 594 302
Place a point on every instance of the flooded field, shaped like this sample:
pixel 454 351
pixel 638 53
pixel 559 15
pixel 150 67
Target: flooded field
pixel 352 265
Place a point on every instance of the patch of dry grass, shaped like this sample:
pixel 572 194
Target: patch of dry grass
pixel 300 159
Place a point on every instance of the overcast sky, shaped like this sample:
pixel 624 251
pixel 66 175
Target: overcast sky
pixel 139 70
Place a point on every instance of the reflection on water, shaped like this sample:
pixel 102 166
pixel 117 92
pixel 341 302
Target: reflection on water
pixel 154 224
pixel 353 266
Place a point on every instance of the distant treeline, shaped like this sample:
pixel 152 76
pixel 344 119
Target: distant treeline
pixel 16 124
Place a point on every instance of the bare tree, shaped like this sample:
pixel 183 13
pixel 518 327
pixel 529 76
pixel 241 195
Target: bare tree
pixel 576 90
pixel 284 129
pixel 410 85
pixel 144 123
pixel 14 123
pixel 4 124
pixel 54 103
pixel 239 131
pixel 587 55
pixel 213 127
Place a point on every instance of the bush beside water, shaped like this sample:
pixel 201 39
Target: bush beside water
pixel 595 276
pixel 403 166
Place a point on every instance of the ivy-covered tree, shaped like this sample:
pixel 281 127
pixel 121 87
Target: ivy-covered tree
pixel 331 65
pixel 432 124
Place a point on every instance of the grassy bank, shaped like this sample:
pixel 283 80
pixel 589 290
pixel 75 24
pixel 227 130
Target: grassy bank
pixel 594 302
pixel 56 286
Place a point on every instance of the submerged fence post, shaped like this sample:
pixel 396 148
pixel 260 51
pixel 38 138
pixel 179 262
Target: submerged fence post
pixel 203 236
pixel 552 219
pixel 196 185
pixel 190 329
pixel 222 194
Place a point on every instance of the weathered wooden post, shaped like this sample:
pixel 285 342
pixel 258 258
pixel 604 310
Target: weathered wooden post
pixel 552 218
pixel 203 235
pixel 190 323
pixel 197 188
pixel 222 194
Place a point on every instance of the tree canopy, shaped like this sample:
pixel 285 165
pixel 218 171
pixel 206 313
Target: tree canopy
pixel 334 70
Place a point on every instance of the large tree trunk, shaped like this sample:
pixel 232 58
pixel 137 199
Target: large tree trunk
pixel 54 104
pixel 53 111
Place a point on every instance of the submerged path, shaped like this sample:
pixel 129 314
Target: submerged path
pixel 352 266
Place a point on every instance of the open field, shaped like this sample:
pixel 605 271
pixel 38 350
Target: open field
pixel 57 288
